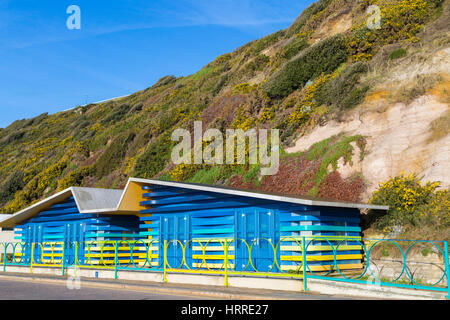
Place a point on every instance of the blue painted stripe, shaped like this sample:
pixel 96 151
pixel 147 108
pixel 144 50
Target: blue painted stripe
pixel 319 227
pixel 213 230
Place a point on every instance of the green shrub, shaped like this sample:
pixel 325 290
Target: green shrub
pixel 37 120
pixel 294 47
pixel 117 114
pixel 154 159
pixel 202 73
pixel 114 155
pixel 355 97
pixel 216 174
pixel 252 175
pixel 324 57
pixel 164 81
pixel 220 84
pixel 13 137
pixel 168 119
pixel 208 175
pixel 399 53
pixel 11 186
pixel 257 64
pixel 81 123
pixel 329 151
pixel 344 91
pixel 137 107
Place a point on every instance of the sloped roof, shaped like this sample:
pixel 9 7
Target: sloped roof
pixel 102 201
pixel 94 200
pixel 88 200
pixel 305 200
pixel 4 216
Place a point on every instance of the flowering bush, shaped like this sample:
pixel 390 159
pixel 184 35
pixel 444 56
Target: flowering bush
pixel 306 104
pixel 400 20
pixel 75 178
pixel 412 202
pixel 47 179
pixel 182 172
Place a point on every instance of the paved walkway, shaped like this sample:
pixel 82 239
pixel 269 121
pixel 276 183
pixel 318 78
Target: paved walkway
pixel 28 290
pixel 41 287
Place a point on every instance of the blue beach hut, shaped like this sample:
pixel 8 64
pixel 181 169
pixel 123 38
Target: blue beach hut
pixel 78 218
pixel 263 230
pixel 194 226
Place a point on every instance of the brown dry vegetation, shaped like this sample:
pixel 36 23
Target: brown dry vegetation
pixel 297 176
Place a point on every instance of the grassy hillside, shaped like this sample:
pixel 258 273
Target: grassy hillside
pixel 293 80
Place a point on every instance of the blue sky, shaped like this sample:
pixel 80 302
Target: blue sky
pixel 123 46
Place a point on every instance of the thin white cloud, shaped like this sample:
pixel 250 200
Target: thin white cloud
pixel 165 14
pixel 232 13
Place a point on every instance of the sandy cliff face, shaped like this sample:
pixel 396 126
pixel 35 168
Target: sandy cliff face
pixel 402 135
pixel 323 76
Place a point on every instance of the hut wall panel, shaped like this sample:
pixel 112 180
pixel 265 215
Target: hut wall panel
pixel 201 221
pixel 63 223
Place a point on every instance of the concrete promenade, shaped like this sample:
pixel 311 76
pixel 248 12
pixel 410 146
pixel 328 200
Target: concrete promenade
pixel 46 287
pixel 211 286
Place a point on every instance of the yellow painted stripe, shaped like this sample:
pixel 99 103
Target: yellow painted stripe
pixel 109 262
pixel 211 266
pixel 112 243
pixel 135 258
pixel 319 248
pixel 211 257
pixel 109 255
pixel 46 265
pixel 136 248
pixel 323 258
pixel 318 238
pixel 209 248
pixel 144 255
pixel 324 267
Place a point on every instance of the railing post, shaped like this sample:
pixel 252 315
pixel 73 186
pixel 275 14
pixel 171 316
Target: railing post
pixel 75 259
pixel 63 258
pixel 305 285
pixel 4 258
pixel 447 268
pixel 226 263
pixel 116 257
pixel 32 257
pixel 165 261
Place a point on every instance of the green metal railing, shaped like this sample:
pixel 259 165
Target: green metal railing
pixel 291 257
